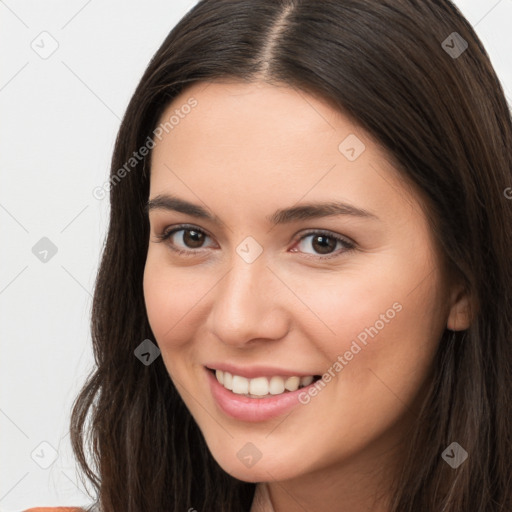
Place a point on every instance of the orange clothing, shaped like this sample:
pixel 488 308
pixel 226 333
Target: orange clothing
pixel 55 509
pixel 261 503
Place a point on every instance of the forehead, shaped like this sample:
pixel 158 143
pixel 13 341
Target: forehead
pixel 254 114
pixel 277 142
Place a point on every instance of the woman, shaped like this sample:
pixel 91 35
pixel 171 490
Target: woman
pixel 304 298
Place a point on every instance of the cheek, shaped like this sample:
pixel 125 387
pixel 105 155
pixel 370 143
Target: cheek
pixel 173 298
pixel 380 320
pixel 343 305
pixel 387 340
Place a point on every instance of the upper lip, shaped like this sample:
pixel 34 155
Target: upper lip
pixel 251 372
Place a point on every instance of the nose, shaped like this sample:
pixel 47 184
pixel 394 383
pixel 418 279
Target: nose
pixel 249 305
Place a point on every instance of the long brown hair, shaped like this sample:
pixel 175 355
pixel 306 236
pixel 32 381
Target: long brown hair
pixel 398 70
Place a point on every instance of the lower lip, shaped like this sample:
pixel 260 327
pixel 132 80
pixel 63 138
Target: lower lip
pixel 243 408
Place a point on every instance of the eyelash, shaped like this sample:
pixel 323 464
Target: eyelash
pixel 348 245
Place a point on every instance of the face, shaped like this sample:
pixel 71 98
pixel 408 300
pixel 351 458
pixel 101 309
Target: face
pixel 284 246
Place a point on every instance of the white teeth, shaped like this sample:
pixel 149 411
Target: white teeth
pixel 258 386
pixel 276 386
pixel 240 385
pixel 292 383
pixel 261 386
pixel 228 381
pixel 306 381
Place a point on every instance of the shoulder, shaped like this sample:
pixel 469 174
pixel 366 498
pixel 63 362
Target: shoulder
pixel 55 509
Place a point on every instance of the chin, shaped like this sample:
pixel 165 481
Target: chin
pixel 263 470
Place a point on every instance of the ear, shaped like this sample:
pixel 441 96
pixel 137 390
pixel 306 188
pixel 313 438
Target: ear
pixel 460 315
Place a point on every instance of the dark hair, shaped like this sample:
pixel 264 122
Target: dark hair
pixel 444 121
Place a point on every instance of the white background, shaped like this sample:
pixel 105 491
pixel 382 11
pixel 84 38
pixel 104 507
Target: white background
pixel 59 119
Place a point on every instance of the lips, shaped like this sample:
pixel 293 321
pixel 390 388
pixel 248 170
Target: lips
pixel 252 409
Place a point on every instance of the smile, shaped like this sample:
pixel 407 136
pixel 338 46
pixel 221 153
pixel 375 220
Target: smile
pixel 261 387
pixel 260 394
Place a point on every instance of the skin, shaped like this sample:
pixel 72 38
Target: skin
pixel 245 151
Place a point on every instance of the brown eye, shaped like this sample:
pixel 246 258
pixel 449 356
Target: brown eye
pixel 185 239
pixel 192 238
pixel 320 244
pixel 323 244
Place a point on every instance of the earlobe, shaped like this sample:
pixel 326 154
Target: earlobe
pixel 460 314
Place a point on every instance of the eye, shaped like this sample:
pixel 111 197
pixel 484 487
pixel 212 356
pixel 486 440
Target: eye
pixel 324 244
pixel 188 239
pixel 184 239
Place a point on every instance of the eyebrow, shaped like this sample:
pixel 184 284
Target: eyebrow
pixel 282 216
